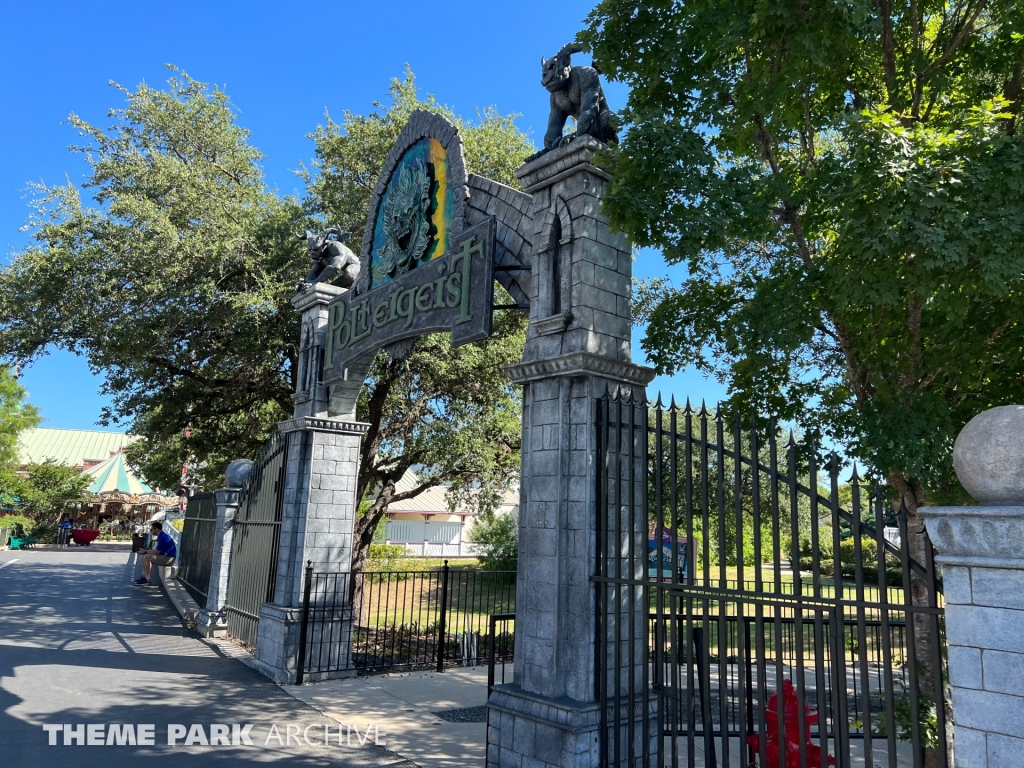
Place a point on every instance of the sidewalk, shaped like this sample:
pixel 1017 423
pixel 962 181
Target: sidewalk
pixel 408 704
pixel 80 645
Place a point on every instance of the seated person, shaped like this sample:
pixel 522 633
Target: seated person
pixel 164 553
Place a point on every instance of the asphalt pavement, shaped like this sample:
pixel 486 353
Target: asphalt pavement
pixel 82 650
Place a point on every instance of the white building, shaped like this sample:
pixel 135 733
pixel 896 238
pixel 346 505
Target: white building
pixel 426 527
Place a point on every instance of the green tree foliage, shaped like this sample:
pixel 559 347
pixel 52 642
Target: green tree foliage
pixel 497 537
pixel 16 415
pixel 175 283
pixel 49 488
pixel 41 493
pixel 844 185
pixel 735 502
pixel 450 413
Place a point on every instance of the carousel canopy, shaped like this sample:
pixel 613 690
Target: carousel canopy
pixel 115 476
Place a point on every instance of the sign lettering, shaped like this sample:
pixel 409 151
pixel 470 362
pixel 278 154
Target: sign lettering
pixel 454 292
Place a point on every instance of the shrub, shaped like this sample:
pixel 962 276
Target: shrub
pixel 869 560
pixel 45 533
pixel 18 525
pixel 498 539
pixel 386 557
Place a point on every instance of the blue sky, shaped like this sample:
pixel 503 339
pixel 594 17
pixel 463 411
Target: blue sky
pixel 283 66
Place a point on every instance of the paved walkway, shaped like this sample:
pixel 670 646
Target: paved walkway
pixel 427 712
pixel 79 645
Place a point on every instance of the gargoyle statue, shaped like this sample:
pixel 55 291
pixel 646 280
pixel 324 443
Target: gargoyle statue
pixel 333 262
pixel 575 91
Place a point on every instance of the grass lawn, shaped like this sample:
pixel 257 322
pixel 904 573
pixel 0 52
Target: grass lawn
pixel 413 599
pixel 437 563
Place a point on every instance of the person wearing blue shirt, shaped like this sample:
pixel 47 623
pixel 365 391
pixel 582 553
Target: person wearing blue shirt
pixel 164 553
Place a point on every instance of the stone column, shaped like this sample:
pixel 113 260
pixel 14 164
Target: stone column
pixel 319 506
pixel 212 620
pixel 578 348
pixel 981 551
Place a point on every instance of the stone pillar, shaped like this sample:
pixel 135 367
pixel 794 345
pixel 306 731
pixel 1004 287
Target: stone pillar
pixel 319 506
pixel 981 551
pixel 212 620
pixel 578 347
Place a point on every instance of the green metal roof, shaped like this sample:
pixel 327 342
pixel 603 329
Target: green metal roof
pixel 69 446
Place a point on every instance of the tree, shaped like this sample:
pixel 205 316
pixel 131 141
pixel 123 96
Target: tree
pixel 176 285
pixel 16 415
pixel 843 183
pixel 497 537
pixel 451 413
pixel 49 489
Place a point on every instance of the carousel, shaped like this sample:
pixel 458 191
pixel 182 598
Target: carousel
pixel 120 501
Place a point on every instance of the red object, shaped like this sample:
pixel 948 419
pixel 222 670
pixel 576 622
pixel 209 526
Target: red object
pixel 83 536
pixel 792 725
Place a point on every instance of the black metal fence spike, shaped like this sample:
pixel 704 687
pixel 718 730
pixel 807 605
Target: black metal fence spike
pixel 903 511
pixel 713 633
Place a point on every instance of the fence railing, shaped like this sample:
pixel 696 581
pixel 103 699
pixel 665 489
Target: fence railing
pixel 254 546
pixel 195 556
pixel 379 621
pixel 847 619
pixel 500 647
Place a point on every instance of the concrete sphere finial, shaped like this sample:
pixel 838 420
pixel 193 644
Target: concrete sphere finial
pixel 989 456
pixel 238 472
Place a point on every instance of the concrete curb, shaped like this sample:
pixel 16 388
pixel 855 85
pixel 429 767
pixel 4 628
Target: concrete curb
pixel 182 601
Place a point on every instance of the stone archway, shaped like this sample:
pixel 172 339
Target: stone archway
pixel 556 255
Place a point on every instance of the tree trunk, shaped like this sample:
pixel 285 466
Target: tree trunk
pixel 366 526
pixel 927 643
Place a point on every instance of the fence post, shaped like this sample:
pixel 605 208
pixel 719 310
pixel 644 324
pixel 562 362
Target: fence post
pixel 490 661
pixel 304 627
pixel 213 618
pixel 441 622
pixel 979 550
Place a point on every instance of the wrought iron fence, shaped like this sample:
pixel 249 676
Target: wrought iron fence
pixel 746 616
pixel 500 648
pixel 254 546
pixel 381 621
pixel 195 557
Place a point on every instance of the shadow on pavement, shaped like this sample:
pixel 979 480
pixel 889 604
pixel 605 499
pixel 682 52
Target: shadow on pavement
pixel 79 644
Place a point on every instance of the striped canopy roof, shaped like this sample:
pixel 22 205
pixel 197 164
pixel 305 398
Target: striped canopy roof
pixel 114 475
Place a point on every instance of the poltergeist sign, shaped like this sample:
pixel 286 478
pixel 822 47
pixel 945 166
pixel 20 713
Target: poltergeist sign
pixel 454 292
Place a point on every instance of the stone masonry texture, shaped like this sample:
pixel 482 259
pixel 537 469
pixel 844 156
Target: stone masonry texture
pixel 984 593
pixel 577 350
pixel 318 511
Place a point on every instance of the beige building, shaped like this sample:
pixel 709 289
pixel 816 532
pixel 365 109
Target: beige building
pixel 426 526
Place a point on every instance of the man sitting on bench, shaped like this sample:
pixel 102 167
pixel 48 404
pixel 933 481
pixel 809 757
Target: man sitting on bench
pixel 164 553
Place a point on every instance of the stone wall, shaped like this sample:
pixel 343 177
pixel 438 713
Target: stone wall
pixel 981 552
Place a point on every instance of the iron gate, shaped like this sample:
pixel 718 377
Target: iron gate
pixel 197 536
pixel 255 543
pixel 751 608
pixel 403 619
